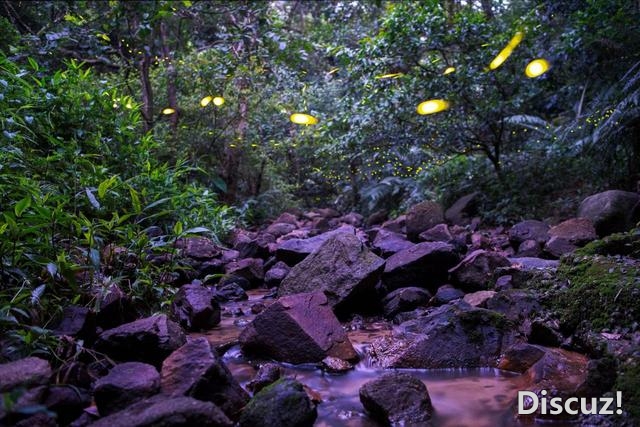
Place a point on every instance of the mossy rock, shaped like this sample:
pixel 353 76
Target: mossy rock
pixel 627 244
pixel 601 291
pixel 283 403
pixel 628 383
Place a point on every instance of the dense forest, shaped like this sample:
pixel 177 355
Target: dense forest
pixel 148 145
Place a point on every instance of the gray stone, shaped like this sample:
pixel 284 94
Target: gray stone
pixel 299 328
pixel 529 230
pixel 343 268
pixel 397 399
pixel 148 340
pixel 404 299
pixel 197 371
pixel 611 211
pixel 425 264
pixel 125 384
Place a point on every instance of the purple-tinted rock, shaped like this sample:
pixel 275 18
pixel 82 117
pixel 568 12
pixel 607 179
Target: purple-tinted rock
pixel 125 384
pixel 387 243
pixel 195 307
pixel 299 328
pixel 28 372
pixel 529 230
pixel 421 217
pixel 475 271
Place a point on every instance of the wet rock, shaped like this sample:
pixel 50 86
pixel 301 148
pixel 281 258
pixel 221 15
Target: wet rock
pixel 198 248
pixel 125 384
pixel 230 291
pixel 475 271
pixel 268 373
pixel 283 403
pixel 421 217
pixel 387 243
pixel 295 250
pixel 404 299
pixel 28 372
pixel 197 371
pixel 116 308
pixel 67 402
pixel 520 357
pixel 258 308
pixel 425 263
pixel 335 365
pixel 611 211
pixel 438 233
pixel 560 373
pixel 397 399
pixel 78 322
pixel 529 248
pixel 463 210
pixel 479 298
pixel 148 340
pixel 276 274
pixel 195 308
pixel 163 411
pixel 299 328
pixel 452 336
pixel 446 294
pixel 249 268
pixel 343 268
pixel 529 230
pixel 278 229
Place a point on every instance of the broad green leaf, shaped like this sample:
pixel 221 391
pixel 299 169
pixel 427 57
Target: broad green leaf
pixel 21 206
pixel 135 200
pixel 177 228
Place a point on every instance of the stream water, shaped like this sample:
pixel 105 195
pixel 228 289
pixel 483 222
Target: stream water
pixel 461 397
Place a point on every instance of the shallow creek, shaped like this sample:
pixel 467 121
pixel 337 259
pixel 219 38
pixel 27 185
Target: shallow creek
pixel 461 397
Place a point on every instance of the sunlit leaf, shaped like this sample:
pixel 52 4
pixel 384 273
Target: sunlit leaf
pixel 303 119
pixel 432 106
pixel 537 67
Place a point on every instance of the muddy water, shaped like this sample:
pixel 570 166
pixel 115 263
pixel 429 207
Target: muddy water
pixel 460 397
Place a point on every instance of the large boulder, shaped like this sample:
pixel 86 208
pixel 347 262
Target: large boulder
pixel 198 248
pixel 463 210
pixel 424 264
pixel 343 268
pixel 529 230
pixel 421 217
pixel 195 307
pixel 196 370
pixel 162 411
pixel 28 372
pixel 299 328
pixel 397 398
pixel 293 251
pixel 452 336
pixel 148 340
pixel 124 385
pixel 284 403
pixel 611 211
pixel 475 271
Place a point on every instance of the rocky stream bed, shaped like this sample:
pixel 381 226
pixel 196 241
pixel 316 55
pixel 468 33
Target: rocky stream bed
pixel 333 320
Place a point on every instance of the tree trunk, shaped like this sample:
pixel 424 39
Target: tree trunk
pixel 172 97
pixel 147 91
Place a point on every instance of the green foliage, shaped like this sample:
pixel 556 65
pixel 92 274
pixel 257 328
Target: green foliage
pixel 76 175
